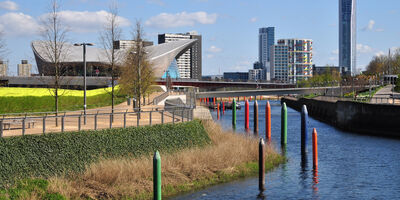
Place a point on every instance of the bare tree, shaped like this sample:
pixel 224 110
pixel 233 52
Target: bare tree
pixel 137 73
pixel 54 39
pixel 110 34
pixel 3 47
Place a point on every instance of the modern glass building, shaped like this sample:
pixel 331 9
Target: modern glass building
pixel 266 38
pixel 190 62
pixel 347 36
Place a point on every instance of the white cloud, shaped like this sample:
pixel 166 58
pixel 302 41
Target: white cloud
pixel 253 19
pixel 361 48
pixel 335 52
pixel 8 5
pixel 85 21
pixel 214 49
pixel 167 20
pixel 333 58
pixel 370 25
pixel 210 56
pixel 379 53
pixel 18 24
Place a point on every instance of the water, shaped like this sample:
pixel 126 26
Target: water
pixel 350 166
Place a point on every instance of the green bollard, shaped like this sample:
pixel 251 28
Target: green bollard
pixel 234 113
pixel 157 176
pixel 284 124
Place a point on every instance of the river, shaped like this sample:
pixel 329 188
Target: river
pixel 351 166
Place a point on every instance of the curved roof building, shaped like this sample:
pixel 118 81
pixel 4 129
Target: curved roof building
pixel 161 56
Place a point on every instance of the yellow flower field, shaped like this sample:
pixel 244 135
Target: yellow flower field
pixel 40 92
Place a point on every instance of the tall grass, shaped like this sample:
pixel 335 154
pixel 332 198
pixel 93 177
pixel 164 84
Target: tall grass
pixel 18 100
pixel 230 156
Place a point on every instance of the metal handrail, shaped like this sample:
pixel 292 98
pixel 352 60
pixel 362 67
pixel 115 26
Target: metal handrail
pixel 187 115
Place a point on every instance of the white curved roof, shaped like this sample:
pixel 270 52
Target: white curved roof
pixel 160 55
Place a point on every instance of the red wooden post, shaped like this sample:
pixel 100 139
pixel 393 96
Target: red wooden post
pixel 218 111
pixel 315 148
pixel 246 116
pixel 268 121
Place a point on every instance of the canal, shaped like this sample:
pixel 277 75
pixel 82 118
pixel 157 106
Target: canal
pixel 351 166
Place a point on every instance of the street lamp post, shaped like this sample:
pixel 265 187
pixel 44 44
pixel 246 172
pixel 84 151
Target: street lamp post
pixel 84 77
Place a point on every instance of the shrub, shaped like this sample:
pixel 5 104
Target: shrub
pixel 61 153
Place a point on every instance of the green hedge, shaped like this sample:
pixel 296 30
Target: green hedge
pixel 55 154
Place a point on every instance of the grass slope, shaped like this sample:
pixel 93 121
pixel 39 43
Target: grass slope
pixel 62 153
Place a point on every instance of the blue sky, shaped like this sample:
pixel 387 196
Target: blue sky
pixel 229 28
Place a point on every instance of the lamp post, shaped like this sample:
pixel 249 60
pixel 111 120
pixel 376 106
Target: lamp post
pixel 84 77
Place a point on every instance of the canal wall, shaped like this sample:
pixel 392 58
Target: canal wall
pixel 365 118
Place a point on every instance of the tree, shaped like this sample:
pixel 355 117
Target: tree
pixel 137 72
pixel 3 48
pixel 110 34
pixel 54 32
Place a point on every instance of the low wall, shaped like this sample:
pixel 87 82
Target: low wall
pixel 375 119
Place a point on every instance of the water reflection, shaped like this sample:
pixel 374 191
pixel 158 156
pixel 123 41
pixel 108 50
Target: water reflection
pixel 304 169
pixel 315 184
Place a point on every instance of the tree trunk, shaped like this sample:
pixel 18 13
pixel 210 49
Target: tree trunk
pixel 112 95
pixel 56 105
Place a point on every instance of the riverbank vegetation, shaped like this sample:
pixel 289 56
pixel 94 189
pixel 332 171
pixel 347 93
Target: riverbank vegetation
pixel 19 100
pixel 230 156
pixel 213 156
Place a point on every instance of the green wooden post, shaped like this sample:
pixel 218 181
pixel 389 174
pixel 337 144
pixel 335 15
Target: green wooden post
pixel 234 113
pixel 157 176
pixel 284 124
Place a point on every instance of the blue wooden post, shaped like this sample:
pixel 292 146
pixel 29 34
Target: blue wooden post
pixel 304 121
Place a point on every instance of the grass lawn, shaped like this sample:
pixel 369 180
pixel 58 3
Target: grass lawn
pixel 19 100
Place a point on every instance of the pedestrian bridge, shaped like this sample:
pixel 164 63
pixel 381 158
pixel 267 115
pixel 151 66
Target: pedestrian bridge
pixel 258 92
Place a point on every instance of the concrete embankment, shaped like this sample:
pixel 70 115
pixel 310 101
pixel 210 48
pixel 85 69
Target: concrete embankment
pixel 365 118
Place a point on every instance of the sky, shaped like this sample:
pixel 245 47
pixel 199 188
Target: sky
pixel 229 29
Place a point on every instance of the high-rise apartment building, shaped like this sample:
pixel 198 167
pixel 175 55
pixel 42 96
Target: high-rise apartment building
pixel 280 62
pixel 266 38
pixel 189 63
pixel 292 60
pixel 3 68
pixel 347 36
pixel 24 69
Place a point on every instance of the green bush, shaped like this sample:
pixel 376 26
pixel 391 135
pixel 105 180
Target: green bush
pixel 61 153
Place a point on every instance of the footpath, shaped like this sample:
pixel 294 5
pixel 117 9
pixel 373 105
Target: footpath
pixel 99 115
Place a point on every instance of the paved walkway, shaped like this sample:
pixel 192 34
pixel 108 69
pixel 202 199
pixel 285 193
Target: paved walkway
pixel 103 119
pixel 384 95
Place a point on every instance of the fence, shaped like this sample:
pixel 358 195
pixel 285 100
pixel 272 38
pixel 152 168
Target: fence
pixel 159 98
pixel 374 100
pixel 41 123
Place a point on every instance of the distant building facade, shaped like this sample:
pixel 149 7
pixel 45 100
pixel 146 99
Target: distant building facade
pixel 3 68
pixel 127 44
pixel 190 62
pixel 24 69
pixel 280 63
pixel 266 38
pixel 347 36
pixel 236 76
pixel 257 75
pixel 299 59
